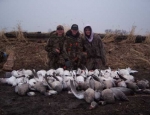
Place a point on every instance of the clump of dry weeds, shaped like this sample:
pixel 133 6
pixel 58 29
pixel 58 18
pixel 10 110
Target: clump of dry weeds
pixel 109 37
pixel 131 37
pixel 3 36
pixel 19 34
pixel 147 39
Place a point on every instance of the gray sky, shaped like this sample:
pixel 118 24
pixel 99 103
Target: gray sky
pixel 42 15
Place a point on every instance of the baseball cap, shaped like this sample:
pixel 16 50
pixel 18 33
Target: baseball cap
pixel 74 27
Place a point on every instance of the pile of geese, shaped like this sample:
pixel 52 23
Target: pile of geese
pixel 94 86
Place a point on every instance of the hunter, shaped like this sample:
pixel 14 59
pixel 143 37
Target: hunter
pixel 54 48
pixel 93 49
pixel 73 48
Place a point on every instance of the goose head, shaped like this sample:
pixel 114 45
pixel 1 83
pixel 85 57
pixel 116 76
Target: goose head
pixel 143 84
pixel 32 83
pixel 66 73
pixel 93 105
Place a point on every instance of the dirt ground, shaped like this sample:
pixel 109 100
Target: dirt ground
pixel 32 55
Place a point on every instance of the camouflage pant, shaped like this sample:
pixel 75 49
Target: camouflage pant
pixel 55 61
pixel 94 63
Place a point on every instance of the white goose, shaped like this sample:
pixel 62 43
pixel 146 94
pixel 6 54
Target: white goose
pixel 55 84
pixel 22 88
pixel 11 81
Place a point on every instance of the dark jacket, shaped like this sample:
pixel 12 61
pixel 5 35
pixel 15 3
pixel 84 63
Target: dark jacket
pixel 95 48
pixel 73 46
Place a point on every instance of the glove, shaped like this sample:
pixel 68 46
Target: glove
pixel 67 63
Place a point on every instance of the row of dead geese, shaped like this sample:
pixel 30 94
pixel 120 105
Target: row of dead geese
pixel 95 87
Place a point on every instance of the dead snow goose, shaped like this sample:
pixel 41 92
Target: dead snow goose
pixel 125 90
pixel 108 84
pixel 11 81
pixel 119 95
pixel 22 88
pixel 88 95
pixel 120 83
pixel 55 85
pixel 126 71
pixel 143 84
pixel 32 83
pixel 51 72
pixel 59 71
pixel 132 85
pixel 108 97
pixel 40 87
pixel 26 73
pixel 16 73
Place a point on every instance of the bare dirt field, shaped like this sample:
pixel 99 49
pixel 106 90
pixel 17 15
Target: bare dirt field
pixel 31 55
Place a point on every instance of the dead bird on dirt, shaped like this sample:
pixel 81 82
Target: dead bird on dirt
pixel 88 95
pixel 133 86
pixel 55 84
pixel 22 88
pixel 109 96
pixel 120 83
pixel 11 81
pixel 40 87
pixel 143 84
pixel 108 83
pixel 125 90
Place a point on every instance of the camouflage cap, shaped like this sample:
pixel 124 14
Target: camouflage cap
pixel 60 27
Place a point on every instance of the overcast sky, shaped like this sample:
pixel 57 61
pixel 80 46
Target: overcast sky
pixel 42 15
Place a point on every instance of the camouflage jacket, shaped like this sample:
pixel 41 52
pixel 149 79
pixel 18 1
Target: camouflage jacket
pixel 94 49
pixel 73 47
pixel 54 42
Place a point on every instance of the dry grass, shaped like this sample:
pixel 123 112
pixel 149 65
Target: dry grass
pixel 147 40
pixel 3 37
pixel 9 49
pixel 145 61
pixel 133 51
pixel 19 34
pixel 131 37
pixel 109 37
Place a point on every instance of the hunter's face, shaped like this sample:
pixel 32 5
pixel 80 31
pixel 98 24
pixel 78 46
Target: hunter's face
pixel 87 32
pixel 74 32
pixel 60 32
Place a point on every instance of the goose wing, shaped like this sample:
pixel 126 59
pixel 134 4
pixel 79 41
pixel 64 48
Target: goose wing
pixel 77 94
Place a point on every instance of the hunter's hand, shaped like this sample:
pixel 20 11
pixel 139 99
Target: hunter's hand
pixel 57 50
pixel 85 53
